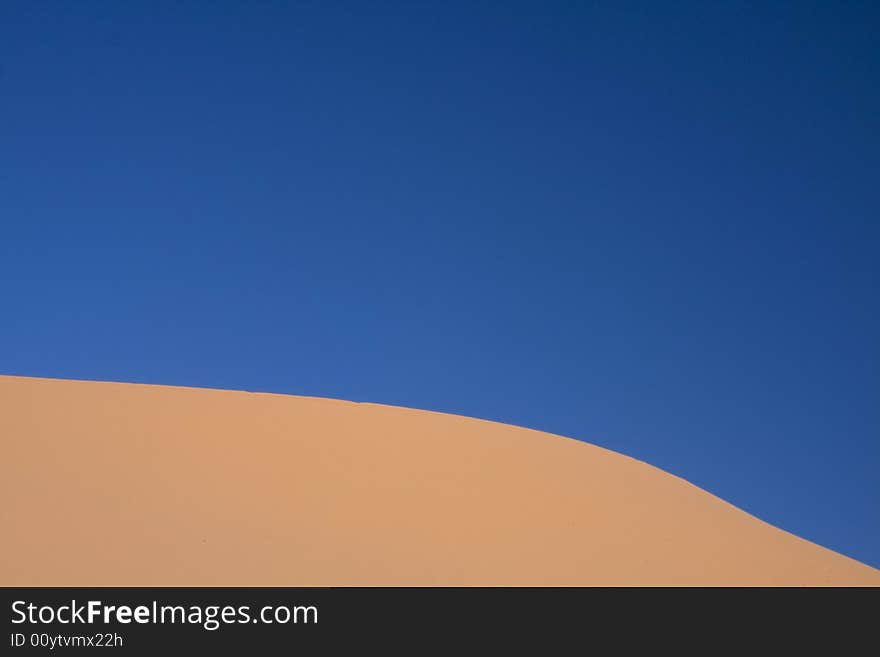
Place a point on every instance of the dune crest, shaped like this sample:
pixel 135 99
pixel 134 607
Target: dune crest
pixel 126 484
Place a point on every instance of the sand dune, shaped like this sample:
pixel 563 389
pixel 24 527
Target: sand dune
pixel 122 484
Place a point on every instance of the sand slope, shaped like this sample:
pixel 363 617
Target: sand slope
pixel 121 484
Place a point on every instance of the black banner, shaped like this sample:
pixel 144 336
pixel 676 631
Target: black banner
pixel 181 620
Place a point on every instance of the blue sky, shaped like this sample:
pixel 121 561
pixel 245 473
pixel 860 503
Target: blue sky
pixel 652 226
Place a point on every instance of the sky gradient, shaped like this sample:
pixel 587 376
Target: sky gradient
pixel 652 226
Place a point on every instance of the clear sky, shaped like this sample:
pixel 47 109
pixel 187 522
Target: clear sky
pixel 649 225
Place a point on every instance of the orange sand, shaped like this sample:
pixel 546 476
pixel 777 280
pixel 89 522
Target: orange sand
pixel 122 484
